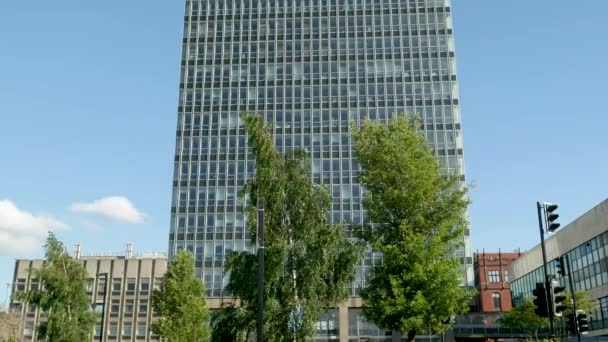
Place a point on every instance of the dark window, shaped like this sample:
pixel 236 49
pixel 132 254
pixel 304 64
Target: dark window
pixel 144 284
pixel 116 283
pixel 131 282
pixel 496 301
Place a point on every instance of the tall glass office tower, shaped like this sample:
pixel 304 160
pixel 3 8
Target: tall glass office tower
pixel 310 68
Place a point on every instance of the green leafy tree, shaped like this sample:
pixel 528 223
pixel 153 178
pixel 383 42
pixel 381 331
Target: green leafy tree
pixel 522 317
pixel 308 261
pixel 181 304
pixel 9 339
pixel 231 323
pixel 583 302
pixel 419 219
pixel 62 296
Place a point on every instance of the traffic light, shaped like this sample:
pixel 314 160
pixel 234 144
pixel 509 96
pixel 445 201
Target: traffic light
pixel 557 299
pixel 581 322
pixel 561 270
pixel 540 300
pixel 571 324
pixel 551 217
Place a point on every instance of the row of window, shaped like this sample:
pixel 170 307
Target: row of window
pixel 334 47
pixel 125 331
pixel 334 93
pixel 588 264
pixel 353 80
pixel 438 20
pixel 224 172
pixel 128 306
pixel 295 34
pixel 116 286
pixel 210 220
pixel 226 7
pixel 316 118
pixel 300 70
pixel 248 31
pixel 392 106
pixel 309 118
pixel 220 222
pixel 111 333
pixel 313 142
pixel 340 213
pixel 494 276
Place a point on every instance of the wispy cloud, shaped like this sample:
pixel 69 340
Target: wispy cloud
pixel 22 231
pixel 117 208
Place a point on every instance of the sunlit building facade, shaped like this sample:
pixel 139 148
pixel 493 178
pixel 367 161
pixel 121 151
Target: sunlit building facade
pixel 119 288
pixel 584 243
pixel 310 68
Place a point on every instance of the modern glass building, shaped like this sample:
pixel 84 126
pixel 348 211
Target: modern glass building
pixel 585 242
pixel 310 68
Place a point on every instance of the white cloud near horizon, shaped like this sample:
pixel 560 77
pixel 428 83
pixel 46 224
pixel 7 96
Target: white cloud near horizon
pixel 117 208
pixel 22 231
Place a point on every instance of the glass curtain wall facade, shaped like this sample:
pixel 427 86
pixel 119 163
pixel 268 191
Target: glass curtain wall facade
pixel 310 68
pixel 589 266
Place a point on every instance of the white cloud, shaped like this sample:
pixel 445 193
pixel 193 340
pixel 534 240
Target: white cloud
pixel 116 208
pixel 21 231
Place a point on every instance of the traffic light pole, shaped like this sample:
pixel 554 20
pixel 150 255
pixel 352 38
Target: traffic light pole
pixel 547 284
pixel 571 283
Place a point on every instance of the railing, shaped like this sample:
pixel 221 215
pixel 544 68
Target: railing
pixel 473 331
pixel 477 324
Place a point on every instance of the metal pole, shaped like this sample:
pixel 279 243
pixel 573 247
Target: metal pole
pixel 260 322
pixel 103 305
pixel 571 283
pixel 539 206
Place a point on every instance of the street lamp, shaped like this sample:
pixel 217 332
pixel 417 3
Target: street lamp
pixel 103 303
pixel 260 313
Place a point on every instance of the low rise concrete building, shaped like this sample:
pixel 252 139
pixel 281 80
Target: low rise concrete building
pixel 585 242
pixel 119 286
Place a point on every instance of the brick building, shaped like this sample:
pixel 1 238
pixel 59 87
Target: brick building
pixel 492 281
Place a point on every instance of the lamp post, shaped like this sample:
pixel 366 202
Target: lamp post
pixel 103 303
pixel 260 316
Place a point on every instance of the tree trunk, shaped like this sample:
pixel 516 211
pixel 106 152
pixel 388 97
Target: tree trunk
pixel 411 335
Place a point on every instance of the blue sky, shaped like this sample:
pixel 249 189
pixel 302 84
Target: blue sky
pixel 88 98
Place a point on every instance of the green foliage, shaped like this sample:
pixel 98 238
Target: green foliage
pixel 228 324
pixel 308 261
pixel 9 326
pixel 181 304
pixel 9 339
pixel 522 317
pixel 582 302
pixel 419 219
pixel 62 296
